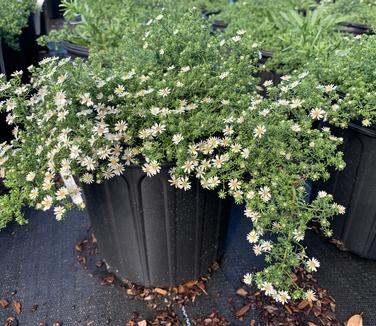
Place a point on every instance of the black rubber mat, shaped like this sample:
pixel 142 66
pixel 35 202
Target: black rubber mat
pixel 38 261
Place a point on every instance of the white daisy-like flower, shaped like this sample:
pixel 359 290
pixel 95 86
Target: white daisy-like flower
pixel 185 69
pixel 268 83
pixel 60 99
pixel 248 278
pixel 257 249
pixel 265 194
pixel 297 103
pixel 322 194
pixel 87 178
pixel 298 235
pixel 366 122
pixel 236 38
pixel 310 296
pixel 62 193
pixel 252 237
pixel 188 166
pixel 267 288
pixel 47 203
pixel 341 209
pixel 164 92
pixel 283 297
pixel 241 32
pixel 317 114
pixel 183 183
pixel 296 127
pixel 119 90
pixel 34 193
pixel 234 184
pixel 224 75
pixel 151 168
pixel 266 246
pixel 213 182
pixel 177 138
pixel 59 212
pixel 330 88
pixel 30 176
pixel 259 131
pixel 86 100
pixel 159 17
pixel 313 264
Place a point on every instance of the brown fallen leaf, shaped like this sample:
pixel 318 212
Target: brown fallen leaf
pixel 17 307
pixel 303 304
pixel 311 324
pixel 81 260
pixel 252 322
pixel 241 292
pixel 190 284
pixel 160 291
pixel 4 303
pixel 79 247
pixel 356 320
pixel 11 321
pixel 142 323
pixel 242 311
pixel 201 285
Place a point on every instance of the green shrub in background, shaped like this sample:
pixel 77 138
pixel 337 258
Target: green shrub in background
pixel 105 25
pixel 14 15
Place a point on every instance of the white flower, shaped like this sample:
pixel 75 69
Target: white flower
pixel 177 138
pixel 265 194
pixel 259 131
pixel 317 114
pixel 86 100
pixel 185 69
pixel 234 184
pixel 330 88
pixel 236 38
pixel 30 176
pixel 296 128
pixel 266 246
pixel 151 168
pixel 283 297
pixel 34 193
pixel 341 209
pixel 188 166
pixel 298 235
pixel 213 182
pixel 87 178
pixel 267 288
pixel 248 279
pixel 224 75
pixel 183 183
pixel 252 237
pixel 119 90
pixel 322 194
pixel 228 130
pixel 310 296
pixel 164 92
pixel 257 249
pixel 268 83
pixel 313 264
pixel 366 123
pixel 89 163
pixel 62 193
pixel 60 99
pixel 75 152
pixel 59 212
pixel 47 203
pixel 121 126
pixel 159 17
pixel 241 32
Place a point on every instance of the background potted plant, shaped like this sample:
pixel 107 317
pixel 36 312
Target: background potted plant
pixel 350 71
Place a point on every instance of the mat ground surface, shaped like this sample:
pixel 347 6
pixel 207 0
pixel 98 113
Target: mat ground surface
pixel 38 262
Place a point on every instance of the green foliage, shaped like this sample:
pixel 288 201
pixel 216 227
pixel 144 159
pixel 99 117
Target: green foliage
pixel 106 25
pixel 352 70
pixel 293 37
pixel 184 96
pixel 14 16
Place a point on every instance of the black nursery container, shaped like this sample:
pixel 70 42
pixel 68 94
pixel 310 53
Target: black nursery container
pixel 153 234
pixel 355 188
pixel 75 50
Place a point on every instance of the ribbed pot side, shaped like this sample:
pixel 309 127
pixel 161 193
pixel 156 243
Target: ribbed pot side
pixel 153 234
pixel 355 188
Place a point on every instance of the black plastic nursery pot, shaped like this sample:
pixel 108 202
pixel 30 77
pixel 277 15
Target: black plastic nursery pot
pixel 153 234
pixel 356 28
pixel 355 188
pixel 26 55
pixel 75 50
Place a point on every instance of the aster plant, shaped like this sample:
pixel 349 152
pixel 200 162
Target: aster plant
pixel 188 98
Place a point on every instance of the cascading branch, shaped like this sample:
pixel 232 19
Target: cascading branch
pixel 187 97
